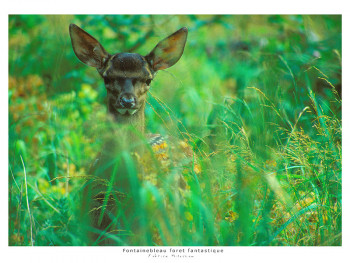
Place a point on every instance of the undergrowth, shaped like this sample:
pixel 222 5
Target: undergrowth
pixel 267 163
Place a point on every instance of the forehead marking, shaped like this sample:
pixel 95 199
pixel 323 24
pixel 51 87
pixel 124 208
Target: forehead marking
pixel 127 65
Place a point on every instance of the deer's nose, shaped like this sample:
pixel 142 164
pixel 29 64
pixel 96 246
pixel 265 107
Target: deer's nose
pixel 127 101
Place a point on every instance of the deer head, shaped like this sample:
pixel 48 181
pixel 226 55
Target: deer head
pixel 127 76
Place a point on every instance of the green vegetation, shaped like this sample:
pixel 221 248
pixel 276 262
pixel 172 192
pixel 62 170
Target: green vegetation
pixel 257 98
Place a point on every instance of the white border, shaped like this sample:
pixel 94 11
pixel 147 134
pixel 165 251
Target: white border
pixel 232 254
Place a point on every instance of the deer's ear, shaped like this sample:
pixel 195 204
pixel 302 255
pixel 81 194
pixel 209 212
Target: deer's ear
pixel 87 48
pixel 168 51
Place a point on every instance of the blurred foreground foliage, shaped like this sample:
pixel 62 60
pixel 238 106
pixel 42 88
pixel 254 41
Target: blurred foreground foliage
pixel 258 98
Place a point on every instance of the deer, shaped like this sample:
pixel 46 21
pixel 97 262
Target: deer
pixel 127 78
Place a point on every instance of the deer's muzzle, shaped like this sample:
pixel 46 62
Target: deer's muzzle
pixel 127 101
pixel 125 111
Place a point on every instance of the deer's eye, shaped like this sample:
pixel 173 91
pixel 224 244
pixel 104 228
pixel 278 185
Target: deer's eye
pixel 108 81
pixel 148 82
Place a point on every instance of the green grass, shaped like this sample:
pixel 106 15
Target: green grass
pixel 257 98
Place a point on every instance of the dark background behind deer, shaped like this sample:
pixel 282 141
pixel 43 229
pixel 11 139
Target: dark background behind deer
pixel 258 98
